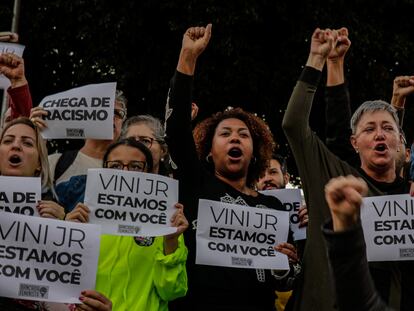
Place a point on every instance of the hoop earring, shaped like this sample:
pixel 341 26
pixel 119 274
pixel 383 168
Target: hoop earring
pixel 208 158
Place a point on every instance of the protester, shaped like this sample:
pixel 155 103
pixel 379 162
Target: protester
pixel 403 86
pixel 338 102
pixel 23 153
pixel 338 107
pixel 375 137
pixel 221 163
pixel 69 168
pixel 276 176
pixel 149 131
pixel 139 273
pixel 354 287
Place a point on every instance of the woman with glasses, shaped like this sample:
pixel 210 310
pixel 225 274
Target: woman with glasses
pixel 139 273
pixel 149 131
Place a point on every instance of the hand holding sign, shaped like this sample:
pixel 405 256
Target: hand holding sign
pixel 79 214
pixel 80 113
pixel 50 209
pixel 344 197
pixel 93 301
pixel 36 116
pixel 303 215
pixel 289 250
pixel 179 221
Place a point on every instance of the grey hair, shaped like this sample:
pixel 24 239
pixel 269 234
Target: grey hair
pixel 153 123
pixel 166 164
pixel 372 106
pixel 120 98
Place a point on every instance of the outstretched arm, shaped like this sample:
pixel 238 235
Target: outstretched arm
pixel 296 119
pixel 178 112
pixel 338 103
pixel 402 87
pixel 195 40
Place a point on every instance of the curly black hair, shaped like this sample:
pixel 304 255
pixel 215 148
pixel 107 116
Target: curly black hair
pixel 263 143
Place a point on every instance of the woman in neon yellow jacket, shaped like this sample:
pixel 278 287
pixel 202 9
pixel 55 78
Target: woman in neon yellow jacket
pixel 139 273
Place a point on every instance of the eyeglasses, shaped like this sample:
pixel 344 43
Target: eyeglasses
pixel 136 166
pixel 120 114
pixel 146 140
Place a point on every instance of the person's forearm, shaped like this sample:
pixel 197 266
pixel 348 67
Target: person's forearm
pixel 296 118
pixel 186 62
pixel 335 70
pixel 20 101
pixel 18 82
pixel 316 61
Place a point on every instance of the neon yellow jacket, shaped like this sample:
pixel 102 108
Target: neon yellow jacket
pixel 136 275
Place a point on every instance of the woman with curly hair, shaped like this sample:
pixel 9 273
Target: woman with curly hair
pixel 249 125
pixel 221 162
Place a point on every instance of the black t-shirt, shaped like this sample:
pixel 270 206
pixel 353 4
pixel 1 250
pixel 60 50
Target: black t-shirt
pixel 211 287
pixel 398 186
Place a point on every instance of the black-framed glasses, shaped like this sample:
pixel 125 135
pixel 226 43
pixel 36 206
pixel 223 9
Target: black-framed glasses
pixel 146 140
pixel 120 114
pixel 136 166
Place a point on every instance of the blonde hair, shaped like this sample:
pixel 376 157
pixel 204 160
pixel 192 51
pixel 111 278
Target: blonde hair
pixel 44 172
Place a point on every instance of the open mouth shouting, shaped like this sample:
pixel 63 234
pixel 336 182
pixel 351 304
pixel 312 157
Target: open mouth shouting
pixel 15 160
pixel 235 154
pixel 381 148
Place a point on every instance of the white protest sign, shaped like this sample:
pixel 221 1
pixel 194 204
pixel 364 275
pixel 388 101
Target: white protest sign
pixel 13 48
pixel 240 236
pixel 46 259
pixel 388 223
pixel 82 112
pixel 20 195
pixel 291 200
pixel 131 203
